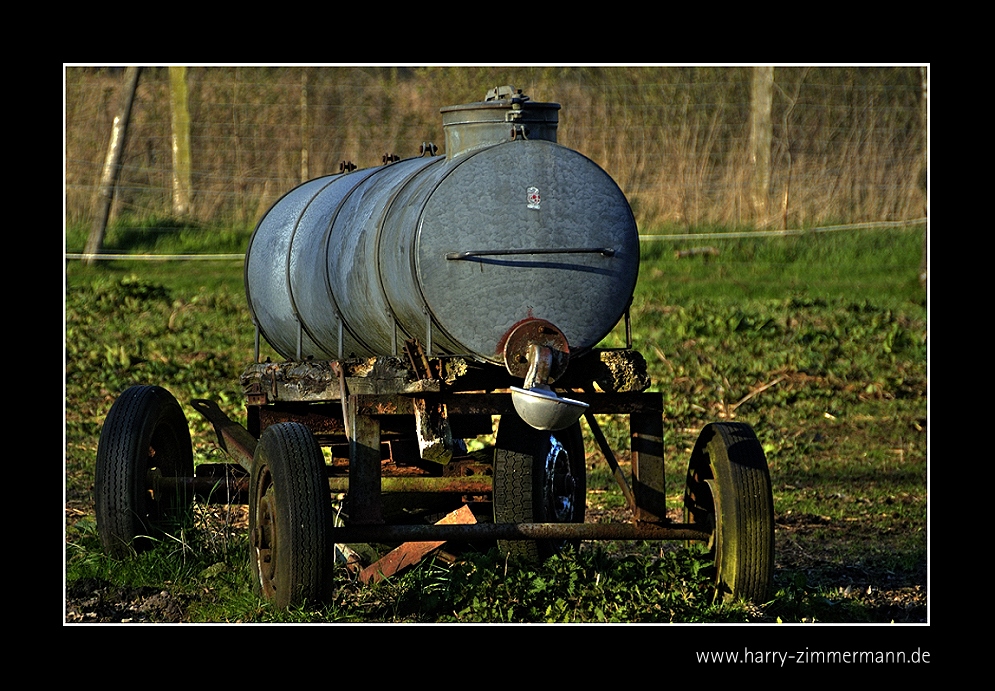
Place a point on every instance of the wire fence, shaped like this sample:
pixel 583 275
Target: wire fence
pixel 672 237
pixel 848 145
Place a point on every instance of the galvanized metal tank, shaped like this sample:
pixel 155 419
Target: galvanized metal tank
pixel 459 251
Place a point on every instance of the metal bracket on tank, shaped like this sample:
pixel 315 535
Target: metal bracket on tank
pixel 505 93
pixel 428 333
pixel 628 326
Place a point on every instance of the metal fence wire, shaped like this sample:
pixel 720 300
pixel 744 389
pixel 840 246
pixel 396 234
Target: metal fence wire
pixel 839 145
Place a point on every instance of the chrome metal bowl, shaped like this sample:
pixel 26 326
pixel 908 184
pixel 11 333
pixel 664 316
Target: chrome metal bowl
pixel 541 408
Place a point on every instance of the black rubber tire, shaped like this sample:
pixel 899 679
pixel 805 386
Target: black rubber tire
pixel 539 477
pixel 145 433
pixel 728 489
pixel 290 517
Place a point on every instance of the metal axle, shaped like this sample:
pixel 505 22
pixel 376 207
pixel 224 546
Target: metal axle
pixel 518 531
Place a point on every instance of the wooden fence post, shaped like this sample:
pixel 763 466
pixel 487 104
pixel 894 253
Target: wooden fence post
pixel 761 105
pixel 112 167
pixel 182 192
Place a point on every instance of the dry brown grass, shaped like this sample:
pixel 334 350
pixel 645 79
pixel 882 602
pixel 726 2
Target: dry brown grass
pixel 848 143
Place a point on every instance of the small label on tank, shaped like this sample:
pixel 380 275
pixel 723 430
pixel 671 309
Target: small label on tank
pixel 533 198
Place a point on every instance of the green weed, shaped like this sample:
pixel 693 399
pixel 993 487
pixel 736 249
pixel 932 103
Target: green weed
pixel 814 343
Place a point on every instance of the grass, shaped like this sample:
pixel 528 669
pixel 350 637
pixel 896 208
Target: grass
pixel 877 264
pixel 819 342
pixel 162 235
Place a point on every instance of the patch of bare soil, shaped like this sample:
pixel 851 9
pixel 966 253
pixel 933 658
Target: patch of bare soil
pixel 811 545
pixel 883 593
pixel 96 601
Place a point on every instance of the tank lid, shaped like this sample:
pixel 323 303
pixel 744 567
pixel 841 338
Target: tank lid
pixel 505 93
pixel 502 98
pixel 504 114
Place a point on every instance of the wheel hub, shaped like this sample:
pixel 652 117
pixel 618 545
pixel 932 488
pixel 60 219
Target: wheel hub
pixel 559 484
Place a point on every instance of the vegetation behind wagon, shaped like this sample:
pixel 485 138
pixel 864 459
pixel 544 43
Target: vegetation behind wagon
pixel 818 341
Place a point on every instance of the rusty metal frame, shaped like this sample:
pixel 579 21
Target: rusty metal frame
pixel 342 404
pixel 517 531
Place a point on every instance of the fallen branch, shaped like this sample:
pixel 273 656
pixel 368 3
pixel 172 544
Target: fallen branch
pixel 757 391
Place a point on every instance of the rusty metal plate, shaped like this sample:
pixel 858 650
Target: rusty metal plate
pixel 542 333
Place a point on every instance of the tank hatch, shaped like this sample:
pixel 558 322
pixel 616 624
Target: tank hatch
pixel 504 115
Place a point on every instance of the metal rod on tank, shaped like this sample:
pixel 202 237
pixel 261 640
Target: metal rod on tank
pixel 428 333
pixel 628 325
pixel 457 256
pixel 338 321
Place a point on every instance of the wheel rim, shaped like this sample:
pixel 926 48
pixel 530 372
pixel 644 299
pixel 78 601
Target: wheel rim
pixel 144 446
pixel 290 517
pixel 165 457
pixel 559 484
pixel 728 492
pixel 538 478
pixel 264 535
pixel 699 503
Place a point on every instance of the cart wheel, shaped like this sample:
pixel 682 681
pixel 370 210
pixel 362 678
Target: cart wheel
pixel 728 489
pixel 144 437
pixel 539 477
pixel 290 517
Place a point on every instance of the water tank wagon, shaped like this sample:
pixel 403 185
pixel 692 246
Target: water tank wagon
pixel 506 240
